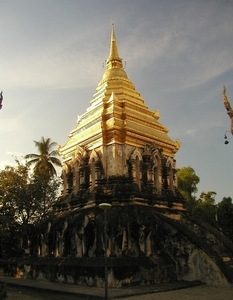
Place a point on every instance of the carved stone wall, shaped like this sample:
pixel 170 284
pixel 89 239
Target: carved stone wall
pixel 148 168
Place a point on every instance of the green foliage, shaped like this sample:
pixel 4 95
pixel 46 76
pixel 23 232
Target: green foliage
pixel 205 207
pixel 225 216
pixel 187 182
pixel 187 185
pixel 27 197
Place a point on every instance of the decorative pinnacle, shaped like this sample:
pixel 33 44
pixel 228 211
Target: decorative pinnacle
pixel 1 99
pixel 228 107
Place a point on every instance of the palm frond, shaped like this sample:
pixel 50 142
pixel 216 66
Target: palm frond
pixel 31 156
pixel 45 160
pixel 53 153
pixel 56 161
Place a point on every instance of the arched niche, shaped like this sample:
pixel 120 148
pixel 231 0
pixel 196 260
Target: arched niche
pixel 152 167
pixel 136 159
pixel 156 171
pixel 76 176
pixel 67 178
pixel 96 168
pixel 171 176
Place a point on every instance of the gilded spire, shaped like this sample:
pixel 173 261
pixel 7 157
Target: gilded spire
pixel 114 61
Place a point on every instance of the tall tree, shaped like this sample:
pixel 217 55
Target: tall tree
pixel 44 162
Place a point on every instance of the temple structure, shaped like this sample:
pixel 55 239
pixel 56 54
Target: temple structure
pixel 119 153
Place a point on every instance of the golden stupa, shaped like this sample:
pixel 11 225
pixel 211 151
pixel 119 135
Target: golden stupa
pixel 117 122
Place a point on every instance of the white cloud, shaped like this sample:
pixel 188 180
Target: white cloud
pixel 191 132
pixel 189 41
pixel 4 163
pixel 14 154
pixel 47 70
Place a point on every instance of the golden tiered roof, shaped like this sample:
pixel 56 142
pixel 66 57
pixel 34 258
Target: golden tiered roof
pixel 118 114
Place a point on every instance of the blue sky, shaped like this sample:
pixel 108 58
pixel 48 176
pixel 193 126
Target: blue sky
pixel 178 54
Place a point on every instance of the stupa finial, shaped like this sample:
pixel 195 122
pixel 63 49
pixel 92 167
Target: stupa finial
pixel 114 61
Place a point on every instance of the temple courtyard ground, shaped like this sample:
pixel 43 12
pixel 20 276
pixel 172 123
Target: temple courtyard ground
pixel 24 289
pixel 194 293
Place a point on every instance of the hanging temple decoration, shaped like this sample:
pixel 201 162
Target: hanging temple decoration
pixel 229 112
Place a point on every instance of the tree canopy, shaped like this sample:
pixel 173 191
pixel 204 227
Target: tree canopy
pixel 225 216
pixel 187 185
pixel 205 207
pixel 202 207
pixel 27 196
pixel 26 199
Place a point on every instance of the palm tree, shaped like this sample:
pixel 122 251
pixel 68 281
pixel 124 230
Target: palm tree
pixel 45 161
